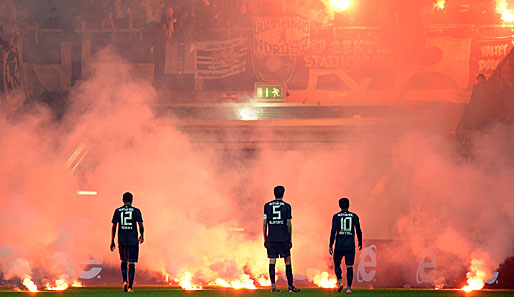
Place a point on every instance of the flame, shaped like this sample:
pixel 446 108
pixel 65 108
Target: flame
pixel 185 282
pixel 439 4
pixel 507 16
pixel 323 280
pixel 476 276
pixel 220 282
pixel 501 8
pixel 77 284
pixel 244 282
pixel 167 278
pixel 473 284
pixel 60 285
pixel 340 5
pixel 29 284
pixel 264 281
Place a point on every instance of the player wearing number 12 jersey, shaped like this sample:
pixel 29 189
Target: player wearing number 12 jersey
pixel 343 225
pixel 277 230
pixel 126 219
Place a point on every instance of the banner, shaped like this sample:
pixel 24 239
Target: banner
pixel 367 58
pixel 487 53
pixel 273 68
pixel 280 36
pixel 219 59
pixel 447 58
pixel 53 77
pixel 359 48
pixel 180 58
pixel 50 77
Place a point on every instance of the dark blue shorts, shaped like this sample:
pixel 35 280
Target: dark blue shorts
pixel 278 249
pixel 349 257
pixel 129 253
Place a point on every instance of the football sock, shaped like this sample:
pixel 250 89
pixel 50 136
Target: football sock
pixel 289 274
pixel 349 276
pixel 272 273
pixel 340 281
pixel 339 272
pixel 131 274
pixel 124 270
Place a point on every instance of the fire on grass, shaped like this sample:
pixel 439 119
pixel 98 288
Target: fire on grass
pixel 58 285
pixel 245 281
pixel 30 285
pixel 323 280
pixel 476 277
pixel 185 280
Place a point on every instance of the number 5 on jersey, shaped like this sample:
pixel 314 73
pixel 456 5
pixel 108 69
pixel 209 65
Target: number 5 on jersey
pixel 276 212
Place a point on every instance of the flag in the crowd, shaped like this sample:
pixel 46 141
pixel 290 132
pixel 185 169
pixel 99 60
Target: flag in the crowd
pixel 11 69
pixel 219 59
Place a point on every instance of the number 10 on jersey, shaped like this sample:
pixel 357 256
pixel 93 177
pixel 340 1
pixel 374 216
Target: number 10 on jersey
pixel 346 224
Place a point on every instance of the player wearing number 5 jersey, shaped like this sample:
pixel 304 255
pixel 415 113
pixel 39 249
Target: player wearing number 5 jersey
pixel 343 225
pixel 277 230
pixel 126 219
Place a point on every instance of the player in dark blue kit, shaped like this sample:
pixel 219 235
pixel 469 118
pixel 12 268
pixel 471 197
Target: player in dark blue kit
pixel 343 225
pixel 126 218
pixel 277 230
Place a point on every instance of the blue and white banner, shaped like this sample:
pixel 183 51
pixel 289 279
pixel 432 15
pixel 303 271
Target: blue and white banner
pixel 219 59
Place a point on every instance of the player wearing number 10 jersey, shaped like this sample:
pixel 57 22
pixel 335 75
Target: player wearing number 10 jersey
pixel 277 231
pixel 126 218
pixel 343 225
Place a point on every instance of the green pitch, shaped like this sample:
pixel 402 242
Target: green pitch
pixel 306 292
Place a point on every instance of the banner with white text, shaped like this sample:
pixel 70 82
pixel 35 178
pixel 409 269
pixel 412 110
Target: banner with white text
pixel 220 59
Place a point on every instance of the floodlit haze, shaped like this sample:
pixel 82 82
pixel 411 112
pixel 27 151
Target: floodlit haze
pixel 202 207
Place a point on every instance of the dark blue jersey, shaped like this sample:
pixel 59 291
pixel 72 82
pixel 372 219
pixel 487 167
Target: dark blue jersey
pixel 127 217
pixel 344 224
pixel 276 214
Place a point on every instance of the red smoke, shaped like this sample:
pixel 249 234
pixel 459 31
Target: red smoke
pixel 202 207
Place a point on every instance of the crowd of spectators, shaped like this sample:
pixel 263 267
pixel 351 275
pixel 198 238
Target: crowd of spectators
pixel 138 28
pixel 179 20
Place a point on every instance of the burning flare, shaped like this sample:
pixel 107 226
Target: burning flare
pixel 60 285
pixel 185 282
pixel 340 5
pixel 476 276
pixel 323 280
pixel 77 284
pixel 439 4
pixel 506 15
pixel 166 277
pixel 30 285
pixel 244 282
pixel 264 281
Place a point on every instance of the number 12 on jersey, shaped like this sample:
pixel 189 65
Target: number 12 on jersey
pixel 126 218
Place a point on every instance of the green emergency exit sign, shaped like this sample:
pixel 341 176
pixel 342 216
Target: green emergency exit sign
pixel 267 91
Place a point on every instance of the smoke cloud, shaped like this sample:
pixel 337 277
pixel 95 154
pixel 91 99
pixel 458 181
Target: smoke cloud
pixel 202 206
